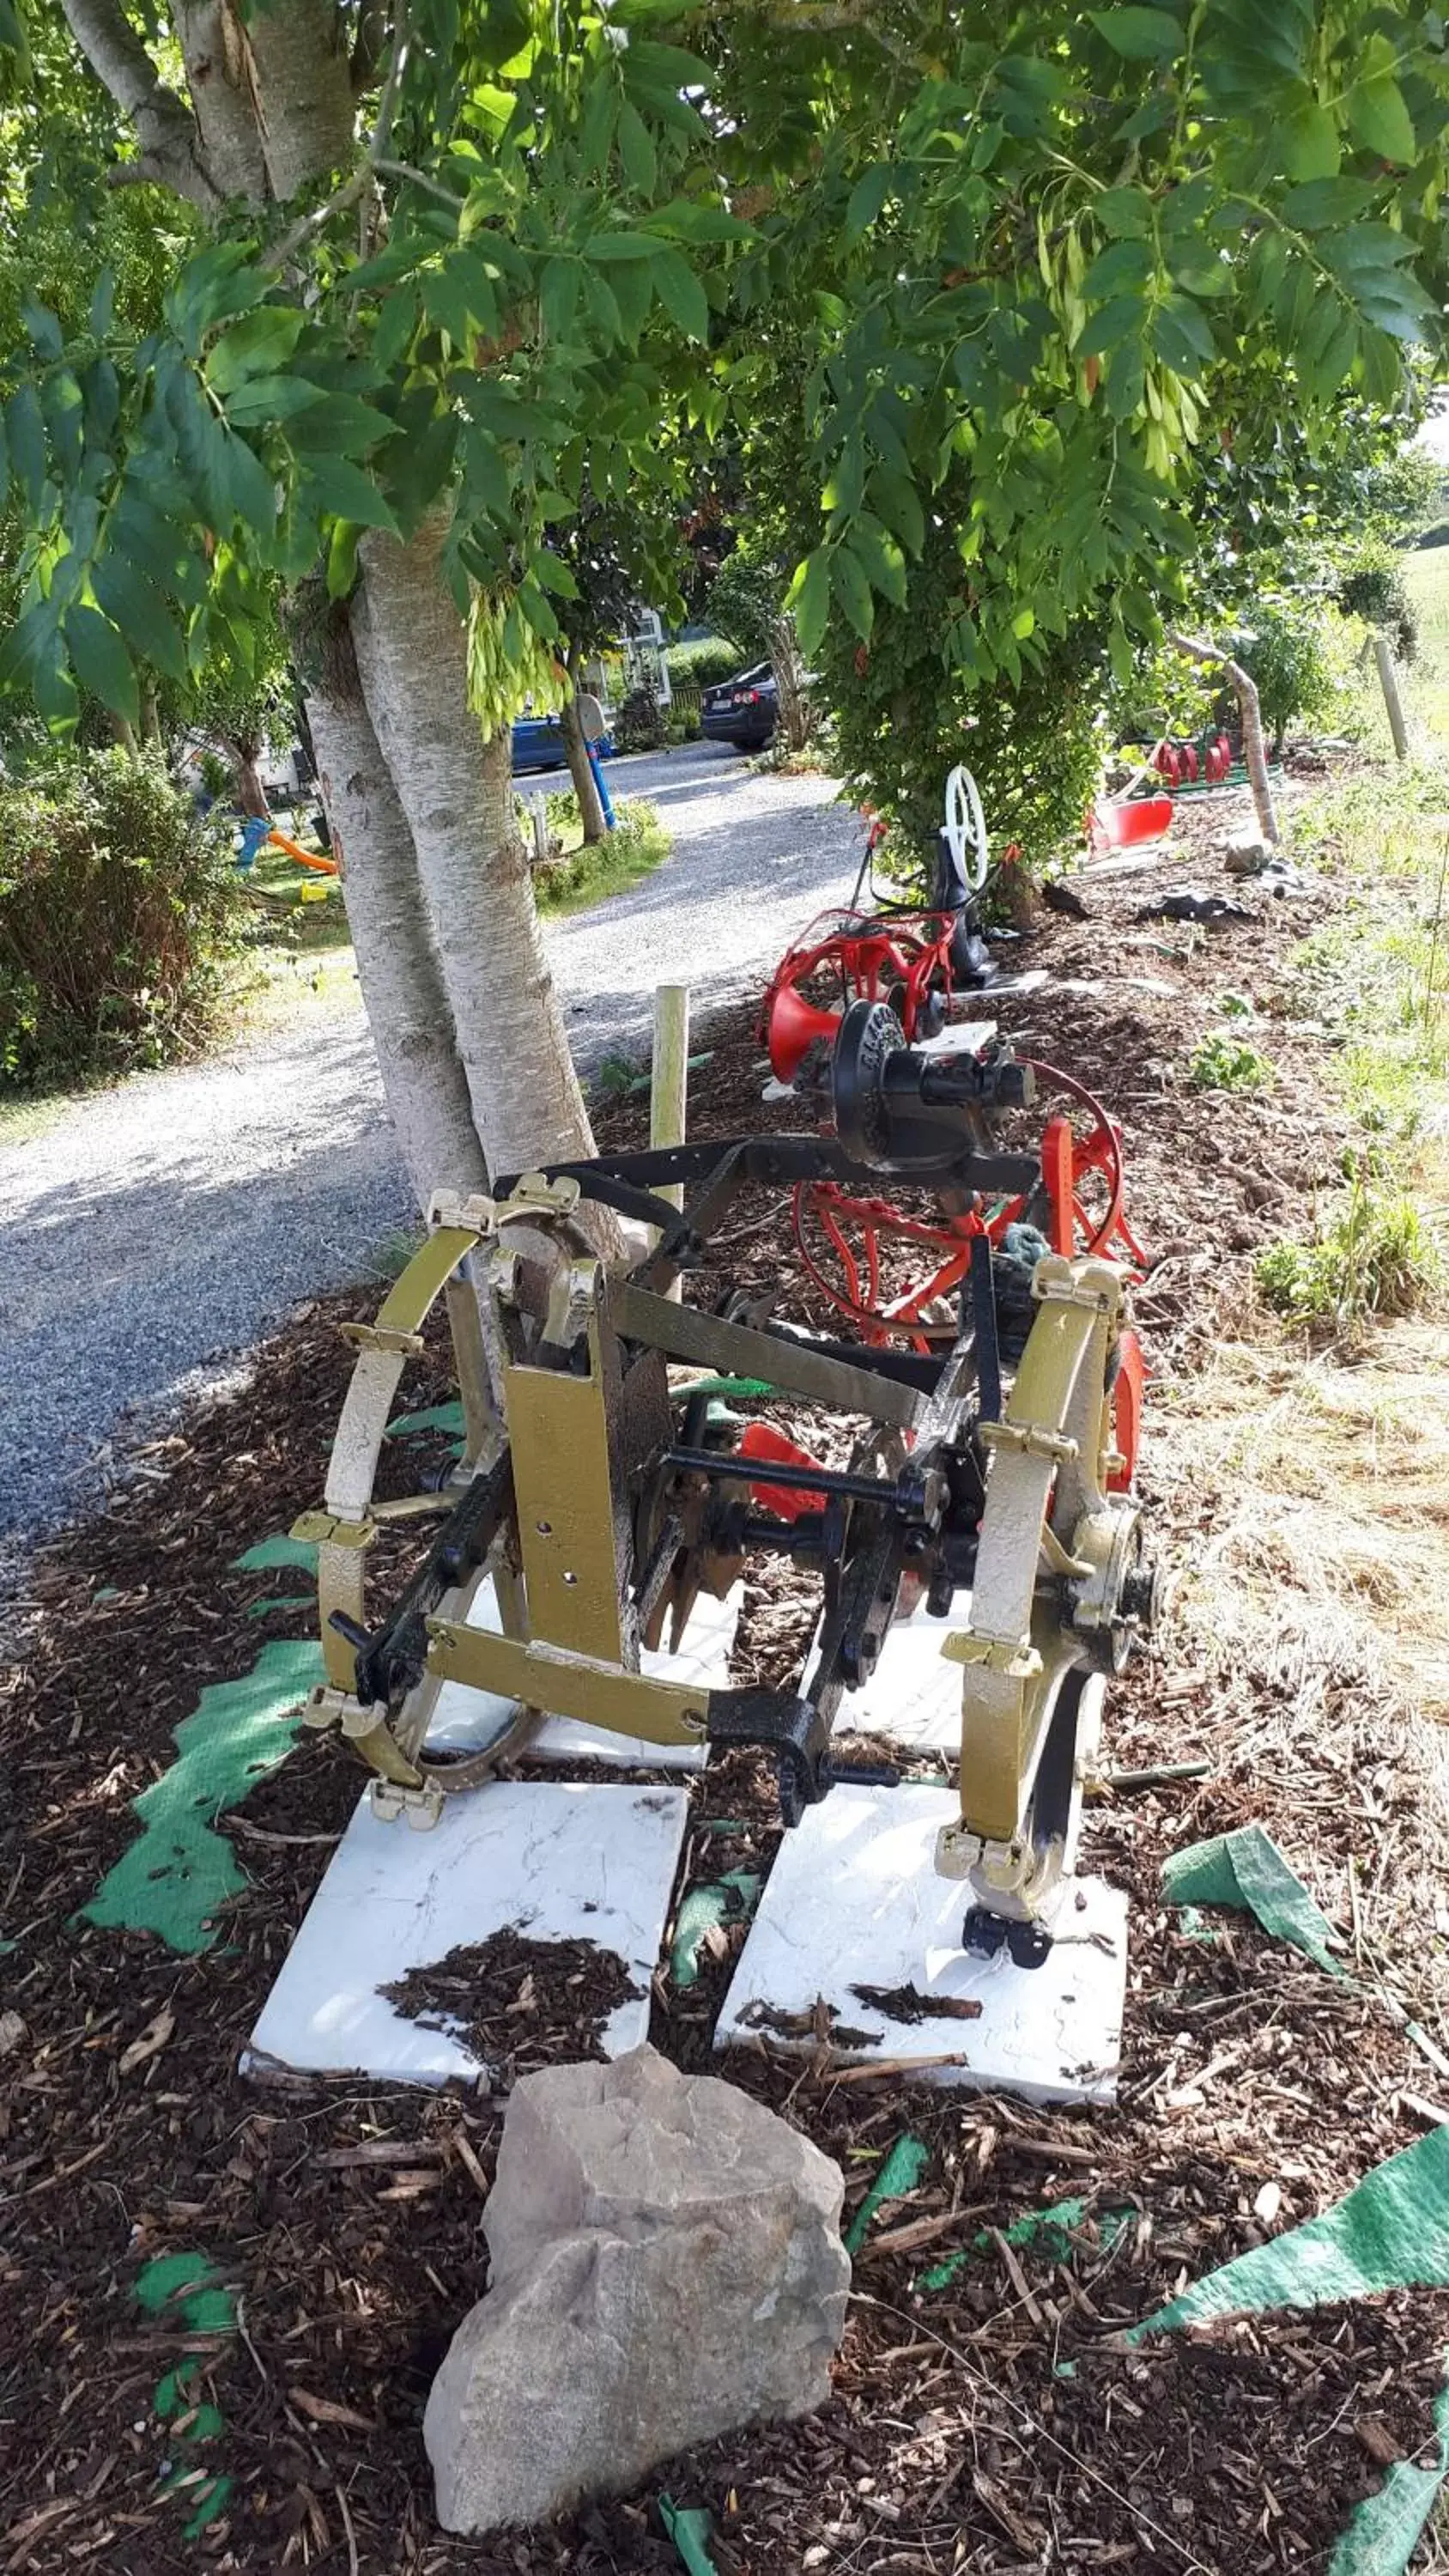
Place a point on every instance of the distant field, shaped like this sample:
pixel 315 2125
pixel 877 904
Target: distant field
pixel 1426 685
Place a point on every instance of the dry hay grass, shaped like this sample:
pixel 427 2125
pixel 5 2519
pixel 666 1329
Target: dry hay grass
pixel 1305 1502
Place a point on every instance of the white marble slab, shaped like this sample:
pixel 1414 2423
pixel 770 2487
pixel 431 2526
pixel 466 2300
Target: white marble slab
pixel 913 1698
pixel 854 1899
pixel 465 1720
pixel 559 1860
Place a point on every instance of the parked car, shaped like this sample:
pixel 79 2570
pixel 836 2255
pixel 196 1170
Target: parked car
pixel 743 710
pixel 538 743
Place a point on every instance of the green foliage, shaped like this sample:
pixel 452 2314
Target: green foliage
pixel 598 869
pixel 1374 589
pixel 746 599
pixel 904 717
pixel 700 665
pixel 1284 646
pixel 1035 255
pixel 118 912
pixel 1223 1063
pixel 1374 1256
pixel 640 724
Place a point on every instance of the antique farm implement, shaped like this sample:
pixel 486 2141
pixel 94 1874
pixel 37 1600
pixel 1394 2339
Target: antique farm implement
pixel 912 956
pixel 986 1475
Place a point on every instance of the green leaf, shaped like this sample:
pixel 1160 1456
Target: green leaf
pixel 1322 204
pixel 101 663
pixel 27 444
pixel 558 296
pixel 1181 336
pixel 686 219
pixel 681 294
pixel 1311 149
pixel 340 488
pixel 596 134
pixel 103 304
pixel 4 463
pixel 265 400
pixel 1140 35
pixel 554 574
pixel 867 198
pixel 636 150
pixel 342 558
pixel 1126 213
pixel 396 322
pixel 882 559
pixel 1023 624
pixel 1118 322
pixel 251 488
pixel 343 424
pixel 259 345
pixel 851 586
pixel 400 259
pixel 809 597
pixel 1124 266
pixel 131 603
pixel 1378 119
pixel 43 328
pixel 899 504
pixel 621 247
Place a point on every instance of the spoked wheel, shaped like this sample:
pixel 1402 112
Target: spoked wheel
pixel 895 1274
pixel 1083 1177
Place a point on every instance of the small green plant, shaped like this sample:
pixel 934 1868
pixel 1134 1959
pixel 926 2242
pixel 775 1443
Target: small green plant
pixel 1223 1063
pixel 1235 1006
pixel 590 873
pixel 615 1077
pixel 1373 1256
pixel 700 665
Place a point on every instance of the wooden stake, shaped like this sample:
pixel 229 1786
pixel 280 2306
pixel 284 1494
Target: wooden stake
pixel 669 1081
pixel 1389 683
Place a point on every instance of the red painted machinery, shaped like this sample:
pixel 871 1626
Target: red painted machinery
pixel 913 958
pixel 1187 763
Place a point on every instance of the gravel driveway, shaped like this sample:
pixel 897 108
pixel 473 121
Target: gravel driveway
pixel 160 1227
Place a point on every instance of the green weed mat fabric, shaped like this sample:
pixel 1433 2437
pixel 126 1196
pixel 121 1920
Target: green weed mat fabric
pixel 1382 2534
pixel 899 2173
pixel 179 1873
pixel 269 1553
pixel 1246 1869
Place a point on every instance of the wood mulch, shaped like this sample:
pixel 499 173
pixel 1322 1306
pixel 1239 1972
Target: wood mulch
pixel 992 2422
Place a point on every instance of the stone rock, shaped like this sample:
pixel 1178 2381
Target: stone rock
pixel 1246 853
pixel 666 2266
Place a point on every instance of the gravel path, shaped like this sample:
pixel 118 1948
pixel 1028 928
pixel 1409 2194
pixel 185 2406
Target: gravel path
pixel 158 1228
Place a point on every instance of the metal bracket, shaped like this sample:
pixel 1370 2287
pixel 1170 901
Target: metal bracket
pixel 384 1337
pixel 325 1529
pixel 1030 1440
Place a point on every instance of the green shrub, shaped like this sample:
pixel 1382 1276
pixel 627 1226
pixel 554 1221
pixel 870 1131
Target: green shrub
pixel 1286 647
pixel 597 869
pixel 1223 1063
pixel 1374 1256
pixel 640 723
pixel 700 664
pixel 1374 589
pixel 118 912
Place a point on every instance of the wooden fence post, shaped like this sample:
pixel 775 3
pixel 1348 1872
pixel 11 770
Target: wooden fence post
pixel 669 1081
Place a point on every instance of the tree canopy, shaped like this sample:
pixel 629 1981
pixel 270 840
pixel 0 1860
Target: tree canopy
pixel 1017 254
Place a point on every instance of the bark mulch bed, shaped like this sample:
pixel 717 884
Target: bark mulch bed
pixel 991 2422
pixel 518 2004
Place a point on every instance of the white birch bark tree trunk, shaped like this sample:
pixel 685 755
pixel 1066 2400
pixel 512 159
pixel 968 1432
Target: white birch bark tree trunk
pixel 457 794
pixel 402 985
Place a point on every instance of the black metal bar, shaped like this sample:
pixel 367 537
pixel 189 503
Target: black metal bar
pixel 729 1467
pixel 983 1316
pixel 797 1368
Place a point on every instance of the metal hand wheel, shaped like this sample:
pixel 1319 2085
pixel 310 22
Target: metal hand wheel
pixel 966 828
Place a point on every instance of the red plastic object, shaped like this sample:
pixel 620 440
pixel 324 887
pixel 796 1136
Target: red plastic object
pixel 1217 759
pixel 763 1441
pixel 1122 826
pixel 1127 1411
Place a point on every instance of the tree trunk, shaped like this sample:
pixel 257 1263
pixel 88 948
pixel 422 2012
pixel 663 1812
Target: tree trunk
pixel 457 794
pixel 797 716
pixel 402 988
pixel 304 82
pixel 1252 722
pixel 585 785
pixel 247 788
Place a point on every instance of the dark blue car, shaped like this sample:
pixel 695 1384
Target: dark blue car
pixel 538 743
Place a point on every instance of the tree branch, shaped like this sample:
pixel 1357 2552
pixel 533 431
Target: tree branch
pixel 1198 649
pixel 164 126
